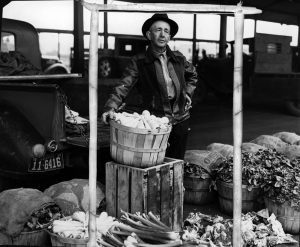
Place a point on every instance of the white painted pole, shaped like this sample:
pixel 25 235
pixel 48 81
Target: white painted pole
pixel 237 127
pixel 93 112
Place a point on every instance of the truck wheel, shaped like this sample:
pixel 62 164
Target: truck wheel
pixel 293 107
pixel 105 68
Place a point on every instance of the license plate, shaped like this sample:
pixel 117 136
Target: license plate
pixel 47 163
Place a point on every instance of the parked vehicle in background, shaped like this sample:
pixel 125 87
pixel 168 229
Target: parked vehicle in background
pixel 269 72
pixel 22 37
pixel 113 61
pixel 33 132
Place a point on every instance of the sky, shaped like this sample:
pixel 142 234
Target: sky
pixel 59 15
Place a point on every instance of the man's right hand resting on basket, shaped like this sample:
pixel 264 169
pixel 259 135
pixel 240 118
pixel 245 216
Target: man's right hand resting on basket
pixel 106 116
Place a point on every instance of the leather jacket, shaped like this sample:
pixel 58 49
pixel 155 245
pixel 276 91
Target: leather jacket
pixel 142 74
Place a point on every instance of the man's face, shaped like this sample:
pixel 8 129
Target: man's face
pixel 159 34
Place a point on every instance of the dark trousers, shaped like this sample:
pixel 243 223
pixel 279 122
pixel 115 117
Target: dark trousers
pixel 178 140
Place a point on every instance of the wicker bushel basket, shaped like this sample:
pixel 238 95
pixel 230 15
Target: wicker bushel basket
pixel 138 147
pixel 57 240
pixel 286 215
pixel 33 238
pixel 198 190
pixel 249 198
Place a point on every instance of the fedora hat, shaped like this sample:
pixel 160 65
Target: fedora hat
pixel 160 17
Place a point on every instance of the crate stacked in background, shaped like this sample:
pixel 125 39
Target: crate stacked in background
pixel 158 189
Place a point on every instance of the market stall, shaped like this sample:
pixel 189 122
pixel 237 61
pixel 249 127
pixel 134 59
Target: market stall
pixel 239 13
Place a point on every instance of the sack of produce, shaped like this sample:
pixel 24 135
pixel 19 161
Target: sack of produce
pixel 271 142
pixel 288 137
pixel 252 147
pixel 292 151
pixel 225 149
pixel 73 195
pixel 203 158
pixel 25 213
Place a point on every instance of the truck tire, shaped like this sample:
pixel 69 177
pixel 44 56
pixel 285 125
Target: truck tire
pixel 107 67
pixel 293 107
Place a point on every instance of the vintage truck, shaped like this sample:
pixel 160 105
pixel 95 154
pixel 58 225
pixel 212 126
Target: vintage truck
pixel 37 147
pixel 270 72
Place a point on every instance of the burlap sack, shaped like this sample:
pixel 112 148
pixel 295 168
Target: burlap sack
pixel 292 151
pixel 225 150
pixel 271 142
pixel 205 159
pixel 17 206
pixel 73 195
pixel 251 147
pixel 288 137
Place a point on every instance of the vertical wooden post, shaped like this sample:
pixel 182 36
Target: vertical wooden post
pixel 237 126
pixel 298 48
pixel 93 112
pixel 194 51
pixel 223 31
pixel 105 31
pixel 78 56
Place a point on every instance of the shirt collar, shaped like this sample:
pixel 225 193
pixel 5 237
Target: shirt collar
pixel 157 54
pixel 150 56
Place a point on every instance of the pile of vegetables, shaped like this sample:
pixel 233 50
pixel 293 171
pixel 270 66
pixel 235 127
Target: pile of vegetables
pixel 141 121
pixel 281 178
pixel 132 230
pixel 76 225
pixel 193 170
pixel 274 173
pixel 258 230
pixel 253 174
pixel 43 217
pixel 140 230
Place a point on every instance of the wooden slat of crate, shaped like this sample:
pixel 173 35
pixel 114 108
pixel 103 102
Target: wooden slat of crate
pixel 152 190
pixel 158 189
pixel 166 215
pixel 178 205
pixel 137 194
pixel 110 185
pixel 123 189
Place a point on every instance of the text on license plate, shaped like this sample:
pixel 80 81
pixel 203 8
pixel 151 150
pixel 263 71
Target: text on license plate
pixel 47 163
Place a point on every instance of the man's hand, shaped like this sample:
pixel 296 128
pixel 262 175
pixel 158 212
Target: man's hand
pixel 188 104
pixel 106 116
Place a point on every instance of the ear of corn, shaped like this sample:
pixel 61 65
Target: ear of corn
pixel 143 121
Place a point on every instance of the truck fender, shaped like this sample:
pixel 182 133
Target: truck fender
pixel 57 68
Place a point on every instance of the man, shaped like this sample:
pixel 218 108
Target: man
pixel 165 79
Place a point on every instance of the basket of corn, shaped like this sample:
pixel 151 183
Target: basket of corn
pixel 139 140
pixel 72 231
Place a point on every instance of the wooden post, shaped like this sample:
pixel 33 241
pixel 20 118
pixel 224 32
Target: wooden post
pixel 78 56
pixel 93 112
pixel 105 32
pixel 194 52
pixel 222 41
pixel 237 126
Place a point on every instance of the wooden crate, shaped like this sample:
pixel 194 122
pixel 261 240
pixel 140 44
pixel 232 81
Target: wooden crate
pixel 158 189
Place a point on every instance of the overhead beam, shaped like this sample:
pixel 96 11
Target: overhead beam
pixel 171 8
